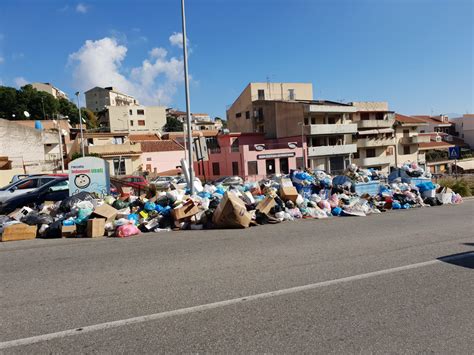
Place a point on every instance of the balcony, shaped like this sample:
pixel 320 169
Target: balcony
pixel 332 150
pixel 115 149
pixel 414 140
pixel 327 129
pixel 375 142
pixel 376 123
pixel 330 108
pixel 375 161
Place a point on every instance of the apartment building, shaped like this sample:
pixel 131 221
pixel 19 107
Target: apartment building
pixel 409 140
pixel 134 118
pixel 50 89
pixel 375 135
pixel 464 127
pixel 98 99
pixel 439 124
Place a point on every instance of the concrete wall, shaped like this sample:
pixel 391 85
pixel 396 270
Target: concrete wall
pixel 280 91
pixel 371 105
pixel 126 118
pixel 400 157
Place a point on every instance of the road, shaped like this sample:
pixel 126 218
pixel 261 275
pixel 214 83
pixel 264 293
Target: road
pixel 385 283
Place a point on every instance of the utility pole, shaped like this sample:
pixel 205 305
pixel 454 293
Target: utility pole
pixel 80 124
pixel 188 104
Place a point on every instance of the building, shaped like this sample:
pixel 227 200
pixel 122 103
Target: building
pixel 375 135
pixel 28 149
pixel 199 121
pixel 408 140
pixel 249 155
pixel 161 156
pixel 98 99
pixel 435 123
pixel 50 89
pixel 122 155
pixel 133 118
pixel 242 115
pixel 464 127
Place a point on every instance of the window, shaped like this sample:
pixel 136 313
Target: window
pixel 252 168
pixel 60 186
pixel 216 169
pixel 331 120
pixel 379 116
pixel 364 116
pixel 370 153
pixel 90 141
pixel 119 166
pixel 260 113
pixel 140 112
pixel 131 123
pixel 247 114
pixel 238 115
pixel 235 168
pixel 148 159
pixel 422 131
pixel 141 122
pixel 117 140
pixel 261 94
pixel 291 94
pixel 356 155
pixel 406 149
pixel 29 184
pixel 130 112
pixel 148 167
pixel 389 151
pixel 284 166
pixel 299 163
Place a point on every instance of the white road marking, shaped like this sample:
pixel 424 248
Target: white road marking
pixel 205 307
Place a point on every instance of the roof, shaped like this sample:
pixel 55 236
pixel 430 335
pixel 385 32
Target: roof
pixel 466 164
pixel 429 119
pixel 207 133
pixel 168 145
pixel 435 145
pixel 144 137
pixel 408 119
pixel 104 134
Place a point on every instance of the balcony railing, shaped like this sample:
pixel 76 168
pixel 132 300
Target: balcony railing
pixel 415 140
pixel 376 123
pixel 332 150
pixel 327 129
pixel 375 142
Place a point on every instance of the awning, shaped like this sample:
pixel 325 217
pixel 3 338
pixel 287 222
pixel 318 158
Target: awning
pixel 466 165
pixel 376 131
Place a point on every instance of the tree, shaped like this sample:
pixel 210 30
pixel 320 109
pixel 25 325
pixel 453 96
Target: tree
pixel 173 125
pixel 90 117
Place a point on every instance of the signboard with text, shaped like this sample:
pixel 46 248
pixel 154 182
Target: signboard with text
pixel 276 155
pixel 89 174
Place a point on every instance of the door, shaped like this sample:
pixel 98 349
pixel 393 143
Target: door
pixel 337 165
pixel 270 164
pixel 284 166
pixel 235 168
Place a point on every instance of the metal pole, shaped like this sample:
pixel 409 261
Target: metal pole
pixel 188 105
pixel 80 124
pixel 60 145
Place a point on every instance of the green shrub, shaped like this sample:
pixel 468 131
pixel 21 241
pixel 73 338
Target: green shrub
pixel 460 186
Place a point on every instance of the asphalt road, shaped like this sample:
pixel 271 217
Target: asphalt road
pixel 381 284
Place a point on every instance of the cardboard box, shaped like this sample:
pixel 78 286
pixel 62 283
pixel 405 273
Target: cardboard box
pixel 104 211
pixel 96 228
pixel 285 182
pixel 68 231
pixel 231 213
pixel 19 213
pixel 266 205
pixel 18 231
pixel 288 193
pixel 186 210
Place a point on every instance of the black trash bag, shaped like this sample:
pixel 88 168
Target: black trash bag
pixel 68 203
pixel 36 219
pixel 4 219
pixel 119 204
pixel 433 201
pixel 54 230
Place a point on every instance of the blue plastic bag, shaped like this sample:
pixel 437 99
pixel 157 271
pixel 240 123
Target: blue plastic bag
pixel 396 205
pixel 336 211
pixel 134 218
pixel 149 206
pixel 426 186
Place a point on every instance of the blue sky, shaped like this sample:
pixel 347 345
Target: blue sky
pixel 415 54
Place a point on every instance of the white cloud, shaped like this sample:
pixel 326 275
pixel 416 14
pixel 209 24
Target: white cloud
pixel 176 39
pixel 20 81
pixel 99 63
pixel 82 8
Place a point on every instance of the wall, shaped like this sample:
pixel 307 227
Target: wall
pixel 279 91
pixel 242 104
pixel 120 119
pixel 162 161
pixel 400 157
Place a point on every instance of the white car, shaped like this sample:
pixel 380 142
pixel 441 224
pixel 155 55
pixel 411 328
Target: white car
pixel 164 182
pixel 23 186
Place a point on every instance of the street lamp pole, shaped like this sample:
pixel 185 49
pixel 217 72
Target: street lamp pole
pixel 302 145
pixel 188 104
pixel 80 124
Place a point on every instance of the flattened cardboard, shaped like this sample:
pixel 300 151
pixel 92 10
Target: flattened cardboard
pixel 231 213
pixel 18 231
pixel 96 228
pixel 105 211
pixel 187 210
pixel 288 193
pixel 266 205
pixel 68 231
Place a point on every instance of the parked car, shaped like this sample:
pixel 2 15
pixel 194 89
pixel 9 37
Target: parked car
pixel 182 184
pixel 55 190
pixel 137 182
pixel 18 177
pixel 164 182
pixel 23 186
pixel 229 180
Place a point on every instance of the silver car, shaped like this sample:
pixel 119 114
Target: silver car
pixel 23 186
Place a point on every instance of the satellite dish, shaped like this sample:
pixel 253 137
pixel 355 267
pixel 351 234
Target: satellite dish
pixel 26 113
pixel 292 145
pixel 64 132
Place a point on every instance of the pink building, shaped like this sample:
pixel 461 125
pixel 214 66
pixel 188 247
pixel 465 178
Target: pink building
pixel 250 156
pixel 161 156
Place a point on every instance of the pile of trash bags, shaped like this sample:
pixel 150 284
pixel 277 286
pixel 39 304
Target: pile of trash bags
pixel 301 194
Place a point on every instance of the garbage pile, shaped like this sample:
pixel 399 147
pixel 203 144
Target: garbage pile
pixel 301 194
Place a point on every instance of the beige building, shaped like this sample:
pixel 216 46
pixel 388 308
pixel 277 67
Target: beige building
pixel 134 118
pixel 464 126
pixel 409 140
pixel 122 155
pixel 241 114
pixel 98 99
pixel 375 135
pixel 50 89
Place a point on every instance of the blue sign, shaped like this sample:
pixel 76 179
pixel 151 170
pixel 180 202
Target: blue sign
pixel 89 174
pixel 454 153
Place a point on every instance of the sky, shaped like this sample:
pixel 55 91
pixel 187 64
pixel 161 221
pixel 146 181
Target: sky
pixel 416 54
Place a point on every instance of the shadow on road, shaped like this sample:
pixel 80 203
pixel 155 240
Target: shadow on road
pixel 462 259
pixel 469 244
